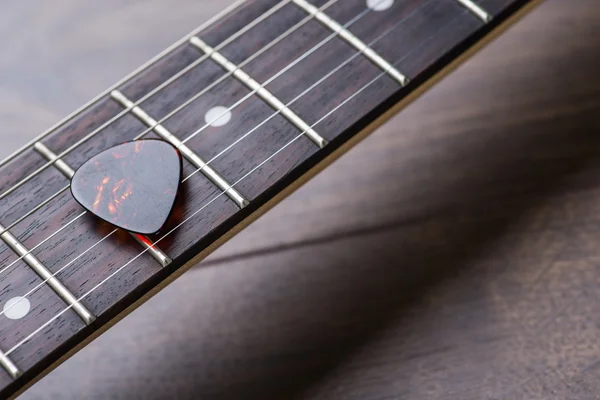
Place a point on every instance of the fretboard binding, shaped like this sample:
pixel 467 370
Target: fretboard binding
pixel 40 269
pixel 260 91
pixel 68 172
pixel 354 41
pixel 477 10
pixel 188 153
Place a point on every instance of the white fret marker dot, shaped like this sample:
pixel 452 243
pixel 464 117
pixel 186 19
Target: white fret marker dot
pixel 16 308
pixel 379 5
pixel 217 116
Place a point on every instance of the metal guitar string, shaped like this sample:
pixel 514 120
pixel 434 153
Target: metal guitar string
pixel 381 74
pixel 306 91
pixel 295 62
pixel 309 89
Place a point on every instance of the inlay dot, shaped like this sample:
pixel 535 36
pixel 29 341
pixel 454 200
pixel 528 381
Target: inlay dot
pixel 379 5
pixel 217 116
pixel 16 308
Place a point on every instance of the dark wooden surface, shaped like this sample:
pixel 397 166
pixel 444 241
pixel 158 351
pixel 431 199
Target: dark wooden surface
pixel 451 255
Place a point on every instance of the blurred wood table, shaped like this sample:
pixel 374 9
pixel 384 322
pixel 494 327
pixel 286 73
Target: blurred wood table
pixel 455 254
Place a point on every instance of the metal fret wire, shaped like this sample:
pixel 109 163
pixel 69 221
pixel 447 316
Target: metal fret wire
pixel 147 96
pixel 163 85
pixel 299 59
pixel 306 91
pixel 235 183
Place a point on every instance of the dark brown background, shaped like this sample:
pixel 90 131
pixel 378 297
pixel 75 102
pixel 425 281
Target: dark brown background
pixel 455 254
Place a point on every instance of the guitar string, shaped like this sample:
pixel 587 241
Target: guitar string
pixel 381 74
pixel 124 80
pixel 306 91
pixel 168 82
pixel 295 62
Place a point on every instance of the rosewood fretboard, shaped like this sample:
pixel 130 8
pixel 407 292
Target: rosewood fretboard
pixel 254 101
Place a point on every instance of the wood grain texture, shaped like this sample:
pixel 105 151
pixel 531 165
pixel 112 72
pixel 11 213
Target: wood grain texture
pixel 466 182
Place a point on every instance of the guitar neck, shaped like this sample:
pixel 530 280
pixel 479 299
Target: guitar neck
pixel 257 102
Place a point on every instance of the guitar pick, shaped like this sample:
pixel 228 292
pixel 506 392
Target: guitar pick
pixel 132 185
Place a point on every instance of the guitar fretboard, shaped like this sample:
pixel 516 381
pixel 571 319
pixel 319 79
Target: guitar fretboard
pixel 253 102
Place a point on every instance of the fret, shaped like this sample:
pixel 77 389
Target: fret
pixel 66 170
pixel 260 91
pixel 353 41
pixel 58 163
pixel 42 303
pixel 476 9
pixel 47 276
pixel 9 367
pixel 190 155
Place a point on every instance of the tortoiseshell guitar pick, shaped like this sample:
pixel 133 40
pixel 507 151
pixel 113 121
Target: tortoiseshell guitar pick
pixel 132 185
